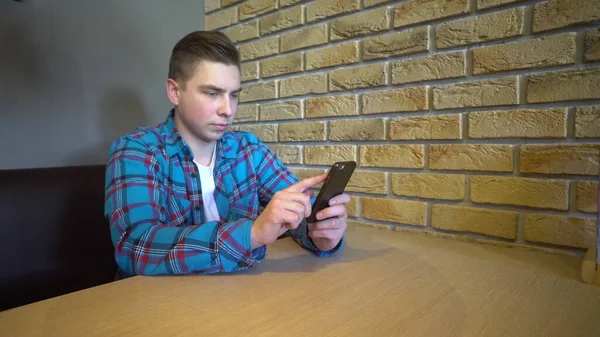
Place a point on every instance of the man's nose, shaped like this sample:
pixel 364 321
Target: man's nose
pixel 225 107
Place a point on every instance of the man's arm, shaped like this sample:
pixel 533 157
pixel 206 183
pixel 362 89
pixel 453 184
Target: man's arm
pixel 145 240
pixel 274 176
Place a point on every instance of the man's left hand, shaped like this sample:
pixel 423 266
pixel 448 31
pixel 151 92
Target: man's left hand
pixel 327 232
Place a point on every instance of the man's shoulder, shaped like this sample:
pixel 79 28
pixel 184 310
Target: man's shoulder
pixel 143 138
pixel 238 140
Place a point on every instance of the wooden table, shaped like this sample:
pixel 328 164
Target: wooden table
pixel 383 284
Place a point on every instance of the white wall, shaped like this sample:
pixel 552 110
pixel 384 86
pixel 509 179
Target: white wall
pixel 74 74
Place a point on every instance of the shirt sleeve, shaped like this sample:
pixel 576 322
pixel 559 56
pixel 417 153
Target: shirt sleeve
pixel 146 241
pixel 273 177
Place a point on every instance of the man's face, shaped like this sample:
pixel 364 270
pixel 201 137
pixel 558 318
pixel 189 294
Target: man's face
pixel 207 105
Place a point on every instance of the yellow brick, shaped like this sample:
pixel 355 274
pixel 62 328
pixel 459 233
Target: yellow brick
pixel 307 37
pixel 398 156
pixel 367 182
pixel 587 196
pixel 258 91
pixel 564 86
pixel 426 127
pixel 249 71
pixel 592 46
pixel 472 157
pixel 226 3
pixel 285 3
pixel 331 106
pixel 483 4
pixel 396 44
pixel 252 8
pixel 587 122
pixel 398 100
pixel 322 9
pixel 560 159
pixel 434 67
pixel 352 223
pixel 220 19
pixel 211 5
pixel 501 224
pixel 487 27
pixel 303 85
pixel 328 154
pixel 358 77
pixel 352 206
pixel 302 173
pixel 371 3
pixel 562 13
pixel 247 113
pixel 539 193
pixel 360 24
pixel 266 132
pixel 431 186
pixel 417 11
pixel 361 129
pixel 544 123
pixel 332 56
pixel 497 91
pixel 550 51
pixel 399 211
pixel 305 131
pixel 281 111
pixel 559 230
pixel 259 48
pixel 286 64
pixel 243 32
pixel 281 19
pixel 288 154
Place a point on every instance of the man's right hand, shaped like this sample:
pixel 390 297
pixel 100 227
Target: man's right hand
pixel 285 211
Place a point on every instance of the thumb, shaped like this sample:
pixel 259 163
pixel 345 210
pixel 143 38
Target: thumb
pixel 307 183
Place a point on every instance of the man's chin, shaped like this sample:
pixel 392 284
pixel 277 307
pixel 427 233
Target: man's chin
pixel 217 134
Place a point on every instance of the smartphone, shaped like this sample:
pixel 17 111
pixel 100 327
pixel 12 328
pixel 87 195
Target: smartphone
pixel 336 182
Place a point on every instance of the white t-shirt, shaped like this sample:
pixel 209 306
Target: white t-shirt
pixel 207 182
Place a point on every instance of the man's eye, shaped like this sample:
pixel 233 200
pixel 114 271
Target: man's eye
pixel 235 95
pixel 212 94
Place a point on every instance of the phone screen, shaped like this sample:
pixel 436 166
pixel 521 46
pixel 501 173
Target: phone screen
pixel 336 182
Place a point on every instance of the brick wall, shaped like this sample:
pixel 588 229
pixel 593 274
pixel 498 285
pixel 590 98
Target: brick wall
pixel 477 118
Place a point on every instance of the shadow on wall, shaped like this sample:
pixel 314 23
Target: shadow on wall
pixel 71 83
pixel 19 63
pixel 120 111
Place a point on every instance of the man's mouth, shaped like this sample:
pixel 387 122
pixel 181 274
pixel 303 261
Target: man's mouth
pixel 221 126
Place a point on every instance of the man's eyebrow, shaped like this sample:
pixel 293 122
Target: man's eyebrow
pixel 215 88
pixel 210 87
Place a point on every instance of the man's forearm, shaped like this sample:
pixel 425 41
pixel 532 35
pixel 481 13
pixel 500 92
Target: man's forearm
pixel 212 247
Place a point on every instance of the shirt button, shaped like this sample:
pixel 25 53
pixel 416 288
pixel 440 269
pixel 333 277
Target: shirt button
pixel 197 207
pixel 194 174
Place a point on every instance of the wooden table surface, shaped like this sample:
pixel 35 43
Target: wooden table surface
pixel 383 284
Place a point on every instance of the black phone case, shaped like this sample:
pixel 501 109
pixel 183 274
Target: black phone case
pixel 336 182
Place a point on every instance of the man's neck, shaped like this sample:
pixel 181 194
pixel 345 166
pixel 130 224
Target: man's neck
pixel 202 150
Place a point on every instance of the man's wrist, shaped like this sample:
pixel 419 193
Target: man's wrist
pixel 254 238
pixel 325 244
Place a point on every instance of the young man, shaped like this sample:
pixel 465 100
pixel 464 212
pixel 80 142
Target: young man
pixel 185 196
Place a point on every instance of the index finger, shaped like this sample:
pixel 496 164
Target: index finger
pixel 307 183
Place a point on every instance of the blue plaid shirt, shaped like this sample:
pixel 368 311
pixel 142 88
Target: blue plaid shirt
pixel 153 201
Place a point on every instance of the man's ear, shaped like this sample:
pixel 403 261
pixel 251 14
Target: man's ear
pixel 173 91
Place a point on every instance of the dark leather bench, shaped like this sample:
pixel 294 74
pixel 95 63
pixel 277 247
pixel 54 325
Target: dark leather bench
pixel 55 239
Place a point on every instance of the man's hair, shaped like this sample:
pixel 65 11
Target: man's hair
pixel 198 46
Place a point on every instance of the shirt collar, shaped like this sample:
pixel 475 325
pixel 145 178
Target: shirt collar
pixel 176 144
